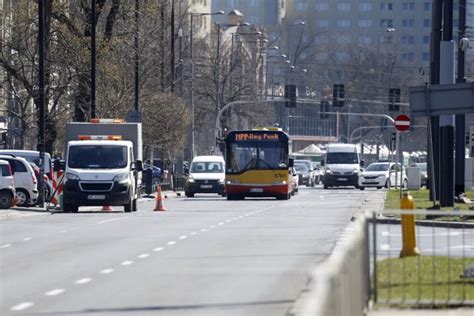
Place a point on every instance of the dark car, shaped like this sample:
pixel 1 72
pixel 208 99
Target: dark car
pixel 304 174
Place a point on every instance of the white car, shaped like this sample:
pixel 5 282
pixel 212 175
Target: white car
pixel 382 174
pixel 295 178
pixel 7 186
pixel 24 179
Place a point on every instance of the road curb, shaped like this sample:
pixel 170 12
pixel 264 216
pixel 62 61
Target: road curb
pixel 425 223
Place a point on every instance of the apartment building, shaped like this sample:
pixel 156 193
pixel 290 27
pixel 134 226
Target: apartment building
pixel 267 13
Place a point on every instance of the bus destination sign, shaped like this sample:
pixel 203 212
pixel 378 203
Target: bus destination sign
pixel 246 136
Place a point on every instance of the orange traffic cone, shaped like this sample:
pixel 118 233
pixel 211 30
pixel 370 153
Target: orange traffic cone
pixel 106 208
pixel 159 200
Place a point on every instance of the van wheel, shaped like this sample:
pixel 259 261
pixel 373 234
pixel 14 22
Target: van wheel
pixel 22 197
pixel 189 194
pixel 70 208
pixel 325 187
pixel 6 200
pixel 134 206
pixel 362 188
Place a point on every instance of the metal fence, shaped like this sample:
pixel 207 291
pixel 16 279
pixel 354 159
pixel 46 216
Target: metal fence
pixel 366 265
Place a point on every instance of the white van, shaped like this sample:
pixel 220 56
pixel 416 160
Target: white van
pixel 341 165
pixel 206 175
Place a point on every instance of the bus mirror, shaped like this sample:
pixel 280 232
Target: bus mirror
pixel 291 163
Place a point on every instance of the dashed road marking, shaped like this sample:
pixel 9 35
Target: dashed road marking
pixel 54 292
pixel 106 271
pixel 144 255
pixel 193 233
pixel 126 263
pixel 111 220
pixel 22 306
pixel 183 237
pixel 27 239
pixel 5 246
pixel 171 243
pixel 228 221
pixel 220 224
pixel 158 249
pixel 213 226
pixel 63 231
pixel 203 230
pixel 83 281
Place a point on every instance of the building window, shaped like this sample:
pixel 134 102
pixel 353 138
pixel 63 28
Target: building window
pixel 342 39
pixel 427 6
pixel 387 39
pixel 427 22
pixel 366 6
pixel 365 40
pixel 410 56
pixel 386 6
pixel 408 23
pixel 408 39
pixel 426 56
pixel 365 23
pixel 426 39
pixel 301 6
pixel 323 23
pixel 408 6
pixel 343 23
pixel 344 6
pixel 322 6
pixel 386 23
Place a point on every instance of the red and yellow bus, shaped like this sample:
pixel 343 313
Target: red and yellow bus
pixel 257 164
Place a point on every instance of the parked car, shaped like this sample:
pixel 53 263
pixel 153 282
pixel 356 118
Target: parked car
pixel 7 185
pixel 304 175
pixel 382 174
pixel 32 156
pixel 311 171
pixel 24 179
pixel 295 179
pixel 423 172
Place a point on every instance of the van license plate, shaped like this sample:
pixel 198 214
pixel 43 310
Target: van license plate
pixel 256 190
pixel 341 179
pixel 96 197
pixel 206 186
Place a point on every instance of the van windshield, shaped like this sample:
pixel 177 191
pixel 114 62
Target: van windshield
pixel 341 158
pixel 97 157
pixel 207 167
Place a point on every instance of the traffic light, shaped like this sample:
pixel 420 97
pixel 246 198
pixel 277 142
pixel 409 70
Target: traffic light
pixel 323 108
pixel 394 99
pixel 393 141
pixel 290 96
pixel 338 95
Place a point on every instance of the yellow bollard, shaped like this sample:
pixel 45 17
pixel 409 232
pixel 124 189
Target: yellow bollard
pixel 409 247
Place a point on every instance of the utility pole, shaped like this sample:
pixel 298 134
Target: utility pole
pixel 460 118
pixel 433 130
pixel 41 105
pixel 446 122
pixel 93 57
pixel 137 60
pixel 181 83
pixel 172 46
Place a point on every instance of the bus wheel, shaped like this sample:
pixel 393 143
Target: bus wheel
pixel 231 197
pixel 282 197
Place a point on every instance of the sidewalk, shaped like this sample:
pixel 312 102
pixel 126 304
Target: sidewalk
pixel 422 312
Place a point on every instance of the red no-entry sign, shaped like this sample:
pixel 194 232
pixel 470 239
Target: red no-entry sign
pixel 402 122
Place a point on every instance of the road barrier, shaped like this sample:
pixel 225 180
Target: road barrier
pixel 365 268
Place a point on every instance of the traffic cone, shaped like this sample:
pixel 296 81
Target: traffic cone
pixel 159 200
pixel 106 208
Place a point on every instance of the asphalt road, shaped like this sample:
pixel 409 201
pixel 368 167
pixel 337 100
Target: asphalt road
pixel 203 256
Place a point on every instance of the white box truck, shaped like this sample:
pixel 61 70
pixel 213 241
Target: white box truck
pixel 103 164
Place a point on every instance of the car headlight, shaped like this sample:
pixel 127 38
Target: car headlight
pixel 381 176
pixel 356 170
pixel 121 177
pixel 328 171
pixel 221 181
pixel 72 176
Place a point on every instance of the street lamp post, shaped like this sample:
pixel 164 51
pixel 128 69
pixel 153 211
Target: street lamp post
pixel 390 30
pixel 191 74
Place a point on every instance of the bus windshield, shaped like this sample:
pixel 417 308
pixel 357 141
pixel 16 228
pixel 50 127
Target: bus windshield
pixel 242 156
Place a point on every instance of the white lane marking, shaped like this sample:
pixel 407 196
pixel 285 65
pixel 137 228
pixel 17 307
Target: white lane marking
pixel 106 271
pixel 228 221
pixel 193 233
pixel 183 237
pixel 221 223
pixel 27 239
pixel 203 230
pixel 111 220
pixel 213 226
pixel 54 292
pixel 83 281
pixel 22 306
pixel 171 243
pixel 158 249
pixel 126 263
pixel 5 246
pixel 144 255
pixel 63 231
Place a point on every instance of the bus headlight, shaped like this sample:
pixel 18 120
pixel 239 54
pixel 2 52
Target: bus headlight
pixel 232 181
pixel 279 182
